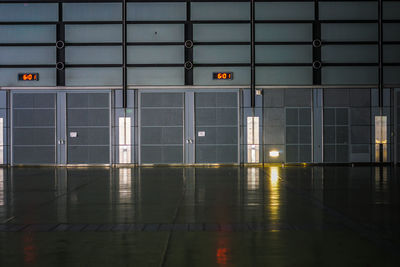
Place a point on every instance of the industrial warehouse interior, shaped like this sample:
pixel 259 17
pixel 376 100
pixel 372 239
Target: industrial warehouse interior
pixel 199 133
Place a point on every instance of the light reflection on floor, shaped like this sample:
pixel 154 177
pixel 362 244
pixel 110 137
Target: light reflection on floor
pixel 228 216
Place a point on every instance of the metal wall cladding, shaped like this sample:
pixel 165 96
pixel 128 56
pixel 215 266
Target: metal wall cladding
pixel 216 114
pixel 161 127
pixel 88 115
pixel 34 128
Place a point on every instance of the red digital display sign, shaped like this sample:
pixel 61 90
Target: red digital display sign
pixel 28 77
pixel 222 75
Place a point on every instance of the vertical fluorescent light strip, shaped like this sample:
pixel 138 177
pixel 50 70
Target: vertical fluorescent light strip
pixel 2 194
pixel 380 137
pixel 124 140
pixel 1 141
pixel 253 147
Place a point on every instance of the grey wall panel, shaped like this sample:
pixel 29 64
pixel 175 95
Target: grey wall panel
pixel 34 128
pixel 88 155
pixel 349 75
pixel 87 117
pixel 92 11
pixel 284 11
pixel 162 100
pixel 155 33
pixel 221 32
pixel 273 97
pixel 216 154
pixel 29 12
pixel 350 54
pixel 93 55
pixel 216 100
pixel 89 136
pixel 221 54
pixel 360 134
pixel 298 97
pixel 162 117
pixel 93 33
pixel 220 11
pixel 391 10
pixel 156 76
pixel 391 32
pixel 283 75
pixel 27 55
pixel 355 10
pixel 36 136
pixel 217 135
pixel 29 100
pixel 93 76
pixel 87 100
pixel 349 32
pixel 162 135
pixel 34 155
pixel 33 117
pixel 283 54
pixel 283 32
pixel 166 54
pixel 156 11
pixel 360 97
pixel 27 34
pixel 161 154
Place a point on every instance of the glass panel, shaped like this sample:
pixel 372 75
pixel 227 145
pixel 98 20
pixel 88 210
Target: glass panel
pixel 391 32
pixel 155 33
pixel 283 32
pixel 350 53
pixel 93 33
pixel 155 54
pixel 284 11
pixel 221 32
pixel 93 55
pixel 283 53
pixel 391 53
pixel 349 10
pixel 93 76
pixel 349 75
pixel 156 11
pixel 221 54
pixel 156 76
pixel 391 10
pixel 349 32
pixel 27 34
pixel 283 75
pixel 27 55
pixel 28 12
pixel 204 75
pixel 92 12
pixel 220 11
pixel 9 77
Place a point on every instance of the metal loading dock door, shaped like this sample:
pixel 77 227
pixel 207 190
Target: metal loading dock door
pixel 60 128
pixel 189 127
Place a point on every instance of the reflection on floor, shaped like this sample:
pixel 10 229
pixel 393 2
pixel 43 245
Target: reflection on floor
pixel 228 216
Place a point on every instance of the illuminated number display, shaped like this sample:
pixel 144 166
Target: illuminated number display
pixel 222 75
pixel 28 77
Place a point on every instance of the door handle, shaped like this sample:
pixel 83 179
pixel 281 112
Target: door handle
pixel 61 142
pixel 189 141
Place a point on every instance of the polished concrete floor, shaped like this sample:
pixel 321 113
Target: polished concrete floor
pixel 228 216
